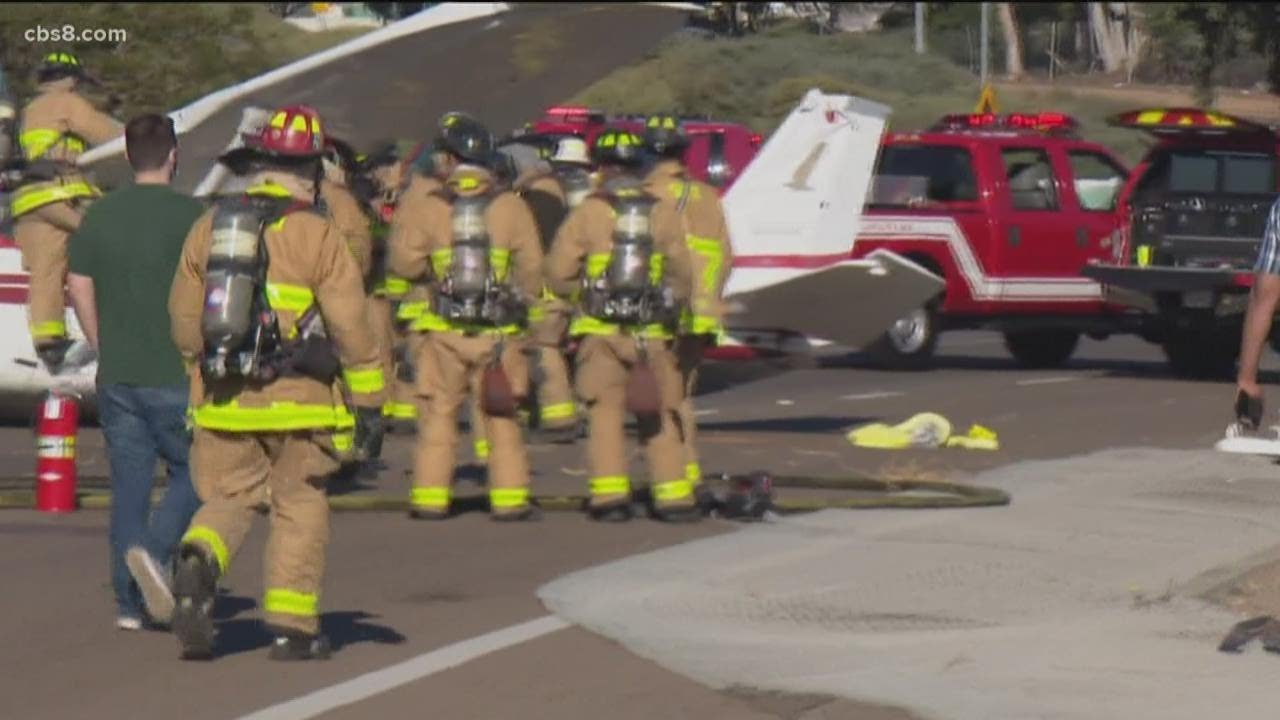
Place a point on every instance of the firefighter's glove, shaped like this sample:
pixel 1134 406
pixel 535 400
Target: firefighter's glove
pixel 1248 410
pixel 369 433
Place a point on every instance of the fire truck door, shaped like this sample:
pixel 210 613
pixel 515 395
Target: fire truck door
pixel 1037 245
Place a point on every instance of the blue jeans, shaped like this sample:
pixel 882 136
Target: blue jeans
pixel 141 425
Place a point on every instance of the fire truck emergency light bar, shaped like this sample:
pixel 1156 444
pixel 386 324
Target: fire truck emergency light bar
pixel 1041 122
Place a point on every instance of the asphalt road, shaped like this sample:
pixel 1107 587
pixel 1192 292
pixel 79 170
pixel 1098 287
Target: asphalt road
pixel 401 591
pixel 503 69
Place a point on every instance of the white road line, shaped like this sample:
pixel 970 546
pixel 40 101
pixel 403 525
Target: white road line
pixel 873 395
pixel 708 411
pixel 1046 381
pixel 425 665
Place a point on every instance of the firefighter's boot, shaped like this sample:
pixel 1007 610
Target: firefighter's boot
pixel 292 646
pixel 194 590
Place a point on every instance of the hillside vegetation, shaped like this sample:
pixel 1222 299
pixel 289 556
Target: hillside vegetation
pixel 173 52
pixel 756 80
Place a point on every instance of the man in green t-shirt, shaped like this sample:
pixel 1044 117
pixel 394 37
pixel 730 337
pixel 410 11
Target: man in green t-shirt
pixel 121 263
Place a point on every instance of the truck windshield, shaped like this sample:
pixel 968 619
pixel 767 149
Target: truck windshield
pixel 1232 173
pixel 912 175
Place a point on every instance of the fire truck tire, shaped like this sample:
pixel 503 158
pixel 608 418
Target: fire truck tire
pixel 910 342
pixel 1202 355
pixel 1036 349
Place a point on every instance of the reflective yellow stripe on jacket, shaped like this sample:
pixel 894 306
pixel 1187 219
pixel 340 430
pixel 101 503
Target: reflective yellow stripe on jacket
pixel 30 197
pixel 391 287
pixel 280 416
pixel 35 143
pixel 693 322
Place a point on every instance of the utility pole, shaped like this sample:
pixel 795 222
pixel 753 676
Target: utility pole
pixel 985 42
pixel 919 28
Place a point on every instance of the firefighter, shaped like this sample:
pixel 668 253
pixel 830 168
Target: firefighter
pixel 622 253
pixel 477 248
pixel 388 293
pixel 341 204
pixel 56 127
pixel 268 310
pixel 551 196
pixel 707 236
pixel 425 176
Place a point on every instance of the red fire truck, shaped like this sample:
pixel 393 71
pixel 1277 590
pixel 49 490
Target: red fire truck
pixel 1008 209
pixel 1194 213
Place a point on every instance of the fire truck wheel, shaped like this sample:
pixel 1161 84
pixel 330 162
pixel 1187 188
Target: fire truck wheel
pixel 909 343
pixel 1041 348
pixel 1203 355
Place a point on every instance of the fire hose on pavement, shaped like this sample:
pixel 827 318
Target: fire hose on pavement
pixel 863 494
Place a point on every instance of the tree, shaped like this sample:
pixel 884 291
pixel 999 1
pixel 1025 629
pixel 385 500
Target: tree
pixel 1209 34
pixel 1117 31
pixel 1013 66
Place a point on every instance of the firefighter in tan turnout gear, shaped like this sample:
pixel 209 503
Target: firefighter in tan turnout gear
pixel 551 196
pixel 424 177
pixel 268 309
pixel 478 250
pixel 55 128
pixel 621 255
pixel 707 235
pixel 342 206
pixel 389 294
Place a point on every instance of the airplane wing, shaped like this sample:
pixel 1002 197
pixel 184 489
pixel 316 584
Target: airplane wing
pixel 850 303
pixel 793 215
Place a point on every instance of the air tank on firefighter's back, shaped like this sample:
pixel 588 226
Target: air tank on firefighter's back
pixel 230 279
pixel 633 245
pixel 470 270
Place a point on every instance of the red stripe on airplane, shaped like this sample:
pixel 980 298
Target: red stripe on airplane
pixel 10 295
pixel 802 262
pixel 12 279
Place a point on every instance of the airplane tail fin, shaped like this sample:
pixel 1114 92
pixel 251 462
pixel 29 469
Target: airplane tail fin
pixel 793 216
pixel 802 194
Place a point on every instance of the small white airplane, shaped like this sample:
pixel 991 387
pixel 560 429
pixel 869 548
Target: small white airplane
pixel 793 215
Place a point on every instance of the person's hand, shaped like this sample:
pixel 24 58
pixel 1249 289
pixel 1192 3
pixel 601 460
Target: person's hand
pixel 1249 404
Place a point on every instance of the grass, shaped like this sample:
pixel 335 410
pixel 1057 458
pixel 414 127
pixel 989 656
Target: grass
pixel 284 42
pixel 757 80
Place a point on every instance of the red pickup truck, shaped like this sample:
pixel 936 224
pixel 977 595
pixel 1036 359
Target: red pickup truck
pixel 1008 209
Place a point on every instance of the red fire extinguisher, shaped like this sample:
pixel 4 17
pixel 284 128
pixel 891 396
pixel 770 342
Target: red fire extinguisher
pixel 56 453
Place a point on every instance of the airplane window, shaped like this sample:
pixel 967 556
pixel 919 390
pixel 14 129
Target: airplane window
pixel 912 175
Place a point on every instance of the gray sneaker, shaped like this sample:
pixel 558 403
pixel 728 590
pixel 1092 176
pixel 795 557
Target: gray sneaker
pixel 156 584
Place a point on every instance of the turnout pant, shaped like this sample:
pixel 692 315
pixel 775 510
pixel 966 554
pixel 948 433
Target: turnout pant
pixel 235 474
pixel 689 349
pixel 41 236
pixel 604 363
pixel 451 365
pixel 556 406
